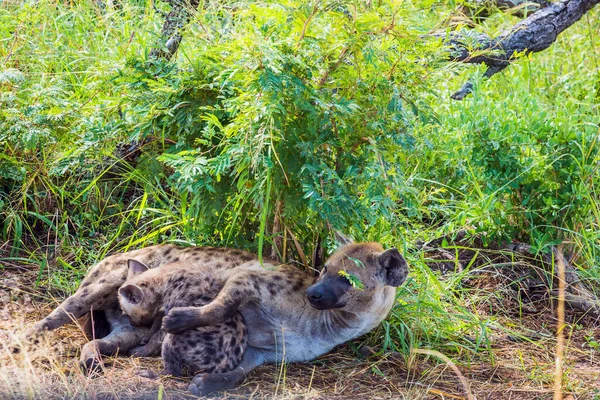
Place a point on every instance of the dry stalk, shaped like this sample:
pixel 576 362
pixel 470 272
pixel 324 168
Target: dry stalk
pixel 298 249
pixel 560 335
pixel 451 364
pixel 277 250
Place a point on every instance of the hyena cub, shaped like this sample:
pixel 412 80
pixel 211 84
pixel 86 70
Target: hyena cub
pixel 148 293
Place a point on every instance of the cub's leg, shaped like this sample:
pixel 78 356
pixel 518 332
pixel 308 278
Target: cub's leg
pixel 152 346
pixel 206 383
pixel 242 287
pixel 121 339
pixel 239 289
pixel 216 348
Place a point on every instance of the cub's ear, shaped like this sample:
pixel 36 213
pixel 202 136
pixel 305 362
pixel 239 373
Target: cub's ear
pixel 135 268
pixel 394 267
pixel 131 293
pixel 342 239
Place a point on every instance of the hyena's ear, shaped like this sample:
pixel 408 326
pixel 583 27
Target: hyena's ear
pixel 135 268
pixel 131 293
pixel 342 239
pixel 394 266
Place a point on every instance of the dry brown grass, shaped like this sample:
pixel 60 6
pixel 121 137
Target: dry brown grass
pixel 521 369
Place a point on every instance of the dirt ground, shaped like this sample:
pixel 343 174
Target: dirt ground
pixel 520 370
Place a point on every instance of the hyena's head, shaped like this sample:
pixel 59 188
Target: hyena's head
pixel 136 296
pixel 354 273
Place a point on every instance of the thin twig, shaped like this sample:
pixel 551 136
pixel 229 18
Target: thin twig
pixel 560 335
pixel 12 47
pixel 305 27
pixel 325 76
pixel 298 248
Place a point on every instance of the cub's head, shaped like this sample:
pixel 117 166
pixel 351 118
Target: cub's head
pixel 137 300
pixel 355 272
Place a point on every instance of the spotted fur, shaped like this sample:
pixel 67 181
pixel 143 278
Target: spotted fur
pixel 290 316
pixel 97 296
pixel 217 348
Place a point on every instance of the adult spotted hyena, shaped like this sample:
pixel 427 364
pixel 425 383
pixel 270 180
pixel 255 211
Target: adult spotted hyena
pixel 289 315
pixel 292 317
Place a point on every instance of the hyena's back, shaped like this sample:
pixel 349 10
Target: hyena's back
pixel 102 282
pixel 98 290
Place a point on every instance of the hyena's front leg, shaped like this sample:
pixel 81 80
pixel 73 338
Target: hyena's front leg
pixel 239 289
pixel 97 291
pixel 71 309
pixel 74 307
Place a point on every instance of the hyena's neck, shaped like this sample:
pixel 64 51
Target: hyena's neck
pixel 332 322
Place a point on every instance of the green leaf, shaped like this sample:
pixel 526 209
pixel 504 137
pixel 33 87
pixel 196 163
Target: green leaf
pixel 352 279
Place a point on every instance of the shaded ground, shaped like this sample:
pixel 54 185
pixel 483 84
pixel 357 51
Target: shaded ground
pixel 521 368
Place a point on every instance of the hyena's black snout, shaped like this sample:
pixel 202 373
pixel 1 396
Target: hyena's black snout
pixel 326 294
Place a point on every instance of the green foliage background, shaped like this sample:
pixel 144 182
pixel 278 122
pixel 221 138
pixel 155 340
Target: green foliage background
pixel 328 114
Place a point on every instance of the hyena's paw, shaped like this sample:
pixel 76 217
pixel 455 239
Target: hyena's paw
pixel 90 359
pixel 91 366
pixel 205 384
pixel 180 319
pixel 147 350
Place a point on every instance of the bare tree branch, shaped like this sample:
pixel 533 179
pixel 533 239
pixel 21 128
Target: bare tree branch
pixel 578 296
pixel 175 21
pixel 534 34
pixel 171 36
